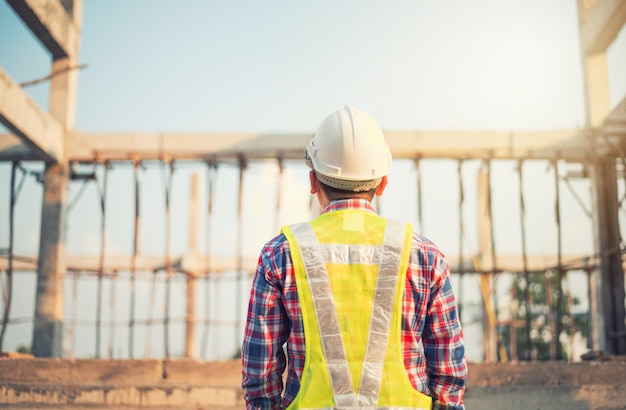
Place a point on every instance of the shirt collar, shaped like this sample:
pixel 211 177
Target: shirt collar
pixel 352 203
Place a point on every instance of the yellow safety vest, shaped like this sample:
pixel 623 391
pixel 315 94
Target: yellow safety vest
pixel 350 268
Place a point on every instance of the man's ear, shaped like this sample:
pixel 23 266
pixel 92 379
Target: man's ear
pixel 315 184
pixel 381 187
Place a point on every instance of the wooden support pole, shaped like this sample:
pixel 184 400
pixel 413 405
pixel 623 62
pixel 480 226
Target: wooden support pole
pixel 559 269
pixel 168 170
pixel 211 173
pixel 194 251
pixel 74 315
pixel 112 309
pixel 133 261
pixel 239 296
pixel 525 271
pixel 513 326
pixel 461 237
pixel 420 216
pixel 279 191
pixel 486 261
pixel 103 195
pixel 550 313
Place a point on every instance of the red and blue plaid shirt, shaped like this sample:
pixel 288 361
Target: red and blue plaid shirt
pixel 434 353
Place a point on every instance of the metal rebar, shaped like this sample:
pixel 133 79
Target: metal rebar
pixel 151 307
pixel 133 262
pixel 560 272
pixel 461 235
pixel 623 159
pixel 72 349
pixel 577 198
pixel 550 314
pixel 112 281
pixel 103 194
pixel 491 275
pixel 525 272
pixel 420 219
pixel 239 296
pixel 168 267
pixel 279 185
pixel 211 172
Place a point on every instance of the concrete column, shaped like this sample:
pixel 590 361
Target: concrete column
pixel 607 282
pixel 51 268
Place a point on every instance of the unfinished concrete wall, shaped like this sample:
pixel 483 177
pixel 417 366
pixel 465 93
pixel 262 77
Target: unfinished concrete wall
pixel 186 384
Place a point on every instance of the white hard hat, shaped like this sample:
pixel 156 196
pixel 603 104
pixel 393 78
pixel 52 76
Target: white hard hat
pixel 349 151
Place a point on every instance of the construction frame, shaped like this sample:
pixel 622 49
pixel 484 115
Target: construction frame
pixel 50 137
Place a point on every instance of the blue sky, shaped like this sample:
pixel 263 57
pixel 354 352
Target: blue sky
pixel 281 66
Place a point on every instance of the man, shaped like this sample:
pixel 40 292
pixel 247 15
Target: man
pixel 363 305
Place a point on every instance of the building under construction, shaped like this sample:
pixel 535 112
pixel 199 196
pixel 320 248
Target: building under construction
pixel 594 154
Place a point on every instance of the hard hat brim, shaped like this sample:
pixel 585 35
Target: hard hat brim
pixel 347 185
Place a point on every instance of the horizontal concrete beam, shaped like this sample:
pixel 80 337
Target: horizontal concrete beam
pixel 571 145
pixel 37 129
pixel 566 144
pixel 144 263
pixel 186 146
pixel 198 264
pixel 601 25
pixel 50 23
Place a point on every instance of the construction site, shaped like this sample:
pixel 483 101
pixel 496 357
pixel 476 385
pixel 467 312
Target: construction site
pixel 147 309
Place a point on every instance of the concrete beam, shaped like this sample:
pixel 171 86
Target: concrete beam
pixel 198 264
pixel 185 146
pixel 567 144
pixel 601 24
pixel 37 129
pixel 572 145
pixel 192 263
pixel 50 23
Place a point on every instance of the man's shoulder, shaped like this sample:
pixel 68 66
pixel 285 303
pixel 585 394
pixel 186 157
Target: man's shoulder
pixel 423 244
pixel 276 244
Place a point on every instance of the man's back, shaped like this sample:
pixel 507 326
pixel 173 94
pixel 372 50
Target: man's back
pixel 426 280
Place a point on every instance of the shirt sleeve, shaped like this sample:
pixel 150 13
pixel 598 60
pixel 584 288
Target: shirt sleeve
pixel 267 329
pixel 443 342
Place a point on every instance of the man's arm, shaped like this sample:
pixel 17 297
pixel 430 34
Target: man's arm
pixel 263 359
pixel 443 342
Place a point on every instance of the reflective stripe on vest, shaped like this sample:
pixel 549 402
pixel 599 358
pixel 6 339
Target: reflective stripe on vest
pixel 314 257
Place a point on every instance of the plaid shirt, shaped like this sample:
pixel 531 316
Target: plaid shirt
pixel 434 354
